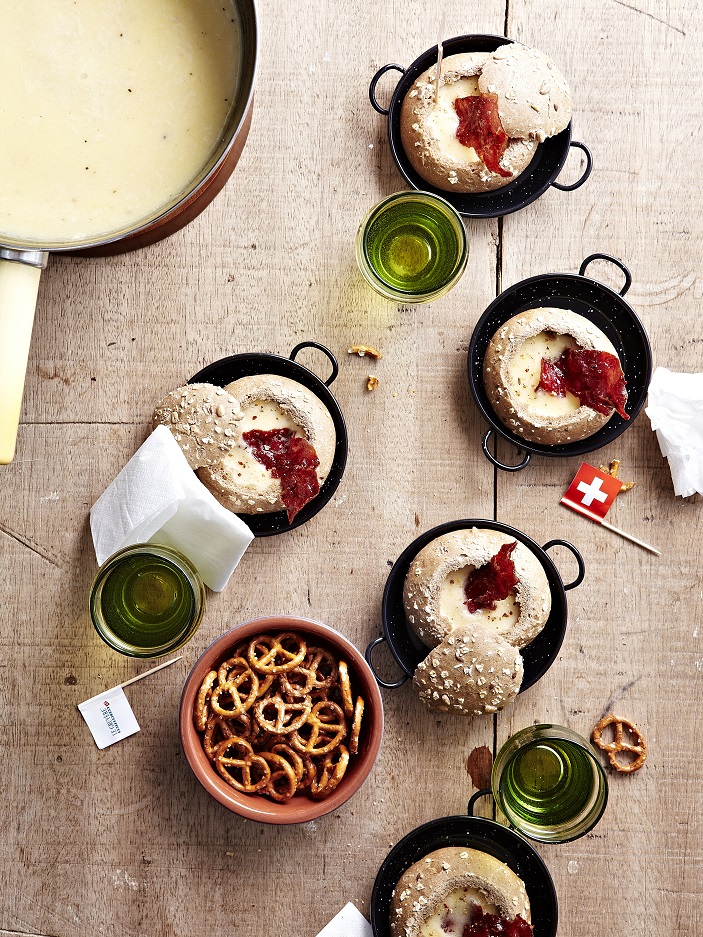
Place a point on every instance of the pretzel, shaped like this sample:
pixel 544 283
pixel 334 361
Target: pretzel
pixel 292 757
pixel 232 688
pixel 285 719
pixel 248 764
pixel 333 770
pixel 638 747
pixel 269 655
pixel 320 734
pixel 356 726
pixel 217 730
pixel 201 704
pixel 282 783
pixel 345 688
pixel 308 676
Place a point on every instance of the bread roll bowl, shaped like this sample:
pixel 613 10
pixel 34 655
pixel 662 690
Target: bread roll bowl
pixel 407 649
pixel 227 370
pixel 596 302
pixel 544 167
pixel 466 833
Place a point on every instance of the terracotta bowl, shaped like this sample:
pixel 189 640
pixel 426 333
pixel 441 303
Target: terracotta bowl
pixel 301 808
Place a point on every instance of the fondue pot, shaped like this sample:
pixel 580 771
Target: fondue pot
pixel 22 257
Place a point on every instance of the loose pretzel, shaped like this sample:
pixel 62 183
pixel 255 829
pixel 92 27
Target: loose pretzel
pixel 201 704
pixel 356 726
pixel 248 764
pixel 320 734
pixel 333 769
pixel 345 688
pixel 619 744
pixel 285 719
pixel 269 655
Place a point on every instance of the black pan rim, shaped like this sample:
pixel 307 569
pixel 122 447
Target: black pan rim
pixel 556 587
pixel 615 427
pixel 279 518
pixel 475 205
pixel 507 843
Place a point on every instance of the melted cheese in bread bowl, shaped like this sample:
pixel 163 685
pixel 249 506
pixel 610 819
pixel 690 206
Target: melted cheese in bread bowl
pixel 452 603
pixel 454 913
pixel 525 368
pixel 261 414
pixel 443 120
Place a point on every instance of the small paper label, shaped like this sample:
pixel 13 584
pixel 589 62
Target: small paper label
pixel 109 717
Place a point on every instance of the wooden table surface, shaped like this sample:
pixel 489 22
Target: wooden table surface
pixel 124 842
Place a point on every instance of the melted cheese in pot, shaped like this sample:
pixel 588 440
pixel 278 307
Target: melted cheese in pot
pixel 443 120
pixel 261 414
pixel 452 603
pixel 454 913
pixel 110 109
pixel 524 372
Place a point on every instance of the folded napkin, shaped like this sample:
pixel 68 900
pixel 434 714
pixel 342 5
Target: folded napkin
pixel 676 413
pixel 348 923
pixel 157 498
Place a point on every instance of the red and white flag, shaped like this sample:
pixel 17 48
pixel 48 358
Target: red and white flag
pixel 592 492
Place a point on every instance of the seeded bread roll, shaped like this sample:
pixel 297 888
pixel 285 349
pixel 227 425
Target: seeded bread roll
pixel 269 401
pixel 428 132
pixel 204 420
pixel 433 593
pixel 425 886
pixel 471 673
pixel 511 373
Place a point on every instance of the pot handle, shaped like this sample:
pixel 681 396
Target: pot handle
pixel 484 792
pixel 586 172
pixel 491 458
pixel 374 81
pixel 325 351
pixel 613 260
pixel 19 285
pixel 579 560
pixel 367 655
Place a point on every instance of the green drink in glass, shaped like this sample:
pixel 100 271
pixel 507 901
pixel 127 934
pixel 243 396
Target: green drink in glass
pixel 549 783
pixel 412 247
pixel 147 600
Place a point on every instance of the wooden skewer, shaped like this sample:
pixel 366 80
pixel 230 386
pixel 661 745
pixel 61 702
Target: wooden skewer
pixel 640 543
pixel 148 672
pixel 440 55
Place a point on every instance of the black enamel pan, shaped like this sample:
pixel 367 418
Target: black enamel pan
pixel 596 302
pixel 472 833
pixel 230 369
pixel 541 173
pixel 409 651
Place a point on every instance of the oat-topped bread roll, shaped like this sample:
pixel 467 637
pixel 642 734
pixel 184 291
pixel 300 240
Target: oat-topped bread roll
pixel 484 127
pixel 204 420
pixel 453 887
pixel 477 577
pixel 471 673
pixel 552 376
pixel 284 451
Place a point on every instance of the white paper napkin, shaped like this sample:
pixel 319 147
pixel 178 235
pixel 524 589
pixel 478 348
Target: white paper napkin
pixel 676 413
pixel 350 922
pixel 158 498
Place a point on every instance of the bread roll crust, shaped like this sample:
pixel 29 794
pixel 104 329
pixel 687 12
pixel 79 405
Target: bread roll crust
pixel 423 886
pixel 506 345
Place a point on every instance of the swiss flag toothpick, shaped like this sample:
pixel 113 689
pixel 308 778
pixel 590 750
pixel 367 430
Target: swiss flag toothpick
pixel 592 493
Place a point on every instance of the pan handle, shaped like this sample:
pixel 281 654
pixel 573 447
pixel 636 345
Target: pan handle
pixel 586 173
pixel 491 458
pixel 374 81
pixel 367 655
pixel 19 285
pixel 579 560
pixel 613 260
pixel 325 351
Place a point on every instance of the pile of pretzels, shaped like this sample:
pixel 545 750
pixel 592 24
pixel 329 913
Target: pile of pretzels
pixel 279 718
